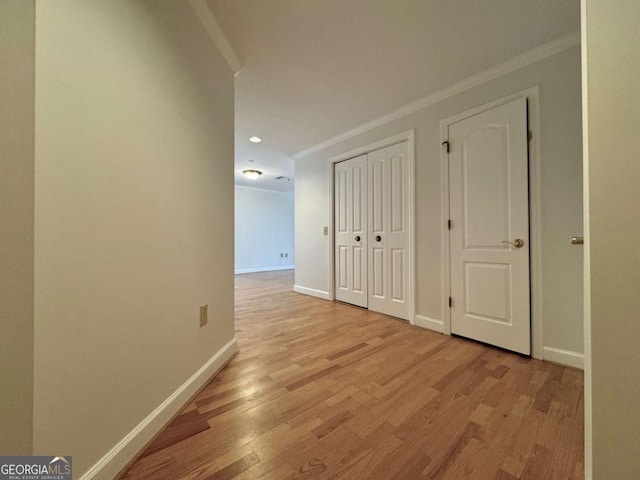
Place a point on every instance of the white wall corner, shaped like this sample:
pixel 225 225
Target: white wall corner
pixel 312 292
pixel 109 466
pixel 429 323
pixel 588 382
pixel 211 25
pixel 564 357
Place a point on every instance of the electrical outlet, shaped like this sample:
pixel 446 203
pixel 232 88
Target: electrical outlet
pixel 326 230
pixel 203 315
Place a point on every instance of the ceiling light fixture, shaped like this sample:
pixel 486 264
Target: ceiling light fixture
pixel 255 139
pixel 252 174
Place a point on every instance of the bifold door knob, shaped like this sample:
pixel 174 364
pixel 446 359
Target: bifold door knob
pixel 357 238
pixel 378 238
pixel 517 243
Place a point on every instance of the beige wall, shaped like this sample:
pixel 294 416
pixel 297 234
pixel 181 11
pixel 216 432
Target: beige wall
pixel 613 99
pixel 558 78
pixel 134 215
pixel 17 37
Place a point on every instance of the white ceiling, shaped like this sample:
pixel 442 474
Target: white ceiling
pixel 312 69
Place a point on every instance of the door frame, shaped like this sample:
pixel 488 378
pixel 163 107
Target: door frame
pixel 535 211
pixel 409 136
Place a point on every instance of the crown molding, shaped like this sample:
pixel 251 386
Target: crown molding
pixel 211 25
pixel 516 63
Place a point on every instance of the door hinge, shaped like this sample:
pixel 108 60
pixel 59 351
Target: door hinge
pixel 450 302
pixel 446 145
pixel 449 224
pixel 529 135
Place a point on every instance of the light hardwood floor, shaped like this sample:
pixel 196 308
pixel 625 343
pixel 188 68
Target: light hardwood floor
pixel 327 390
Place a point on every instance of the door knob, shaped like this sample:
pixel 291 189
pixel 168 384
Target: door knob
pixel 357 238
pixel 577 240
pixel 378 238
pixel 517 243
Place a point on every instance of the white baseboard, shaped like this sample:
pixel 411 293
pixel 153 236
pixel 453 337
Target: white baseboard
pixel 311 291
pixel 263 269
pixel 117 458
pixel 564 357
pixel 429 323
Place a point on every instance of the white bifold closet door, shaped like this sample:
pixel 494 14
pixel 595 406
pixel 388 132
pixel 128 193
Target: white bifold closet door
pixel 388 217
pixel 379 280
pixel 351 231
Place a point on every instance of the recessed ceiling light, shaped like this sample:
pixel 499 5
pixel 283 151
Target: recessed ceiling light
pixel 255 139
pixel 252 174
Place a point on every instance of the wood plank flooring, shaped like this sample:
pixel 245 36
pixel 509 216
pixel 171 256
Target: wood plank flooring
pixel 323 390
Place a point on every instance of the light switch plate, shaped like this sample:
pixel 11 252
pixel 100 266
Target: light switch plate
pixel 203 315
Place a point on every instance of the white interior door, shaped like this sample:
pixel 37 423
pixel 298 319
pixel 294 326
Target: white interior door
pixel 489 238
pixel 350 203
pixel 389 233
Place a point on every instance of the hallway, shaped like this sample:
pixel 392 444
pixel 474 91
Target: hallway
pixel 326 390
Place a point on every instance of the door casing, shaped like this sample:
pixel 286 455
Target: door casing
pixel 408 136
pixel 535 212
